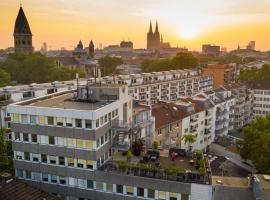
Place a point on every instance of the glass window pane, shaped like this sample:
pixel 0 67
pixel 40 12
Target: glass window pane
pixel 79 143
pixel 89 164
pixel 33 119
pixel 50 120
pixel 80 163
pixel 88 124
pixel 16 118
pixel 140 192
pixel 89 144
pixel 41 120
pixel 69 122
pixel 70 142
pixel 25 137
pixel 51 140
pixel 78 123
pixel 59 121
pixel 99 185
pixel 70 162
pixel 90 184
pixel 26 156
pixel 161 195
pixel 24 119
pixel 119 188
pixel 151 193
pixel 109 187
pixel 130 190
pixel 34 138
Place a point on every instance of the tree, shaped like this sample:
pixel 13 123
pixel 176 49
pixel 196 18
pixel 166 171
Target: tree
pixel 36 68
pixel 189 139
pixel 137 147
pixel 255 74
pixel 129 155
pixel 180 61
pixel 6 163
pixel 256 143
pixel 108 65
pixel 4 78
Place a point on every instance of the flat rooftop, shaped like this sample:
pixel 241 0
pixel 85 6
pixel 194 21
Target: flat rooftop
pixel 65 101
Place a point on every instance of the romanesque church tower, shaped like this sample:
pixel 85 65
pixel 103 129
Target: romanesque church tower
pixel 22 34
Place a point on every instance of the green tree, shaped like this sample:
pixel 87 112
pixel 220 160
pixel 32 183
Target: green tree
pixel 108 65
pixel 189 139
pixel 180 61
pixel 256 143
pixel 4 78
pixel 155 145
pixel 6 163
pixel 36 68
pixel 254 74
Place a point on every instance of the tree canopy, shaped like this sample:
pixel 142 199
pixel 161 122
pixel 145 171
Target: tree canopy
pixel 255 74
pixel 229 58
pixel 36 68
pixel 256 143
pixel 108 65
pixel 4 78
pixel 180 61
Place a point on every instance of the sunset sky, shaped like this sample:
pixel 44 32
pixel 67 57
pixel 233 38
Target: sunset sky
pixel 190 23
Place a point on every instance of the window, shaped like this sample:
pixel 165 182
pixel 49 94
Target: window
pixel 50 121
pixel 101 120
pixel 68 122
pixel 16 118
pixel 25 137
pixel 79 143
pixel 99 186
pixel 36 176
pixel 61 160
pixel 109 187
pixel 184 197
pixel 70 142
pixel 119 188
pixel 44 158
pixel 80 163
pixel 35 157
pixel 116 111
pixel 90 184
pixel 71 181
pixel 89 144
pixel 19 155
pixel 106 118
pixel 98 143
pixel 97 123
pixel 62 180
pixel 151 193
pixel 34 138
pixel 45 177
pixel 43 139
pixel 53 179
pixel 173 196
pixel 51 140
pixel 52 159
pixel 59 121
pixel 19 173
pixel 17 136
pixel 89 164
pixel 60 141
pixel 33 119
pixel 24 119
pixel 70 162
pixel 88 124
pixel 130 190
pixel 26 156
pixel 161 195
pixel 140 192
pixel 27 174
pixel 102 140
pixel 81 183
pixel 78 123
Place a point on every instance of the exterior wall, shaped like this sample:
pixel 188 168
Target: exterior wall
pixel 222 74
pixel 261 102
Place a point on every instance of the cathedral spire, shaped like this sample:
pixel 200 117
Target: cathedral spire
pixel 150 28
pixel 156 30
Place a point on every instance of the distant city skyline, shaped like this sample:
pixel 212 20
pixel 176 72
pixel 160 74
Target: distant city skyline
pixel 183 23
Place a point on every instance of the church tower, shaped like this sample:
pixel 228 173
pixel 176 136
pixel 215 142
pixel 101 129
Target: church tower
pixel 91 50
pixel 150 36
pixel 22 34
pixel 156 37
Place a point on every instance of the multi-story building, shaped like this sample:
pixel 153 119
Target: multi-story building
pixel 243 106
pixel 210 50
pixel 194 116
pixel 222 74
pixel 12 94
pixel 63 143
pixel 261 99
pixel 224 109
pixel 149 88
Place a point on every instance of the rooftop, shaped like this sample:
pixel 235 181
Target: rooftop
pixel 15 189
pixel 65 100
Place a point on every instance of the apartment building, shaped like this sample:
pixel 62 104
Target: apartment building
pixel 261 99
pixel 194 116
pixel 243 106
pixel 222 74
pixel 224 103
pixel 64 144
pixel 149 88
pixel 12 94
